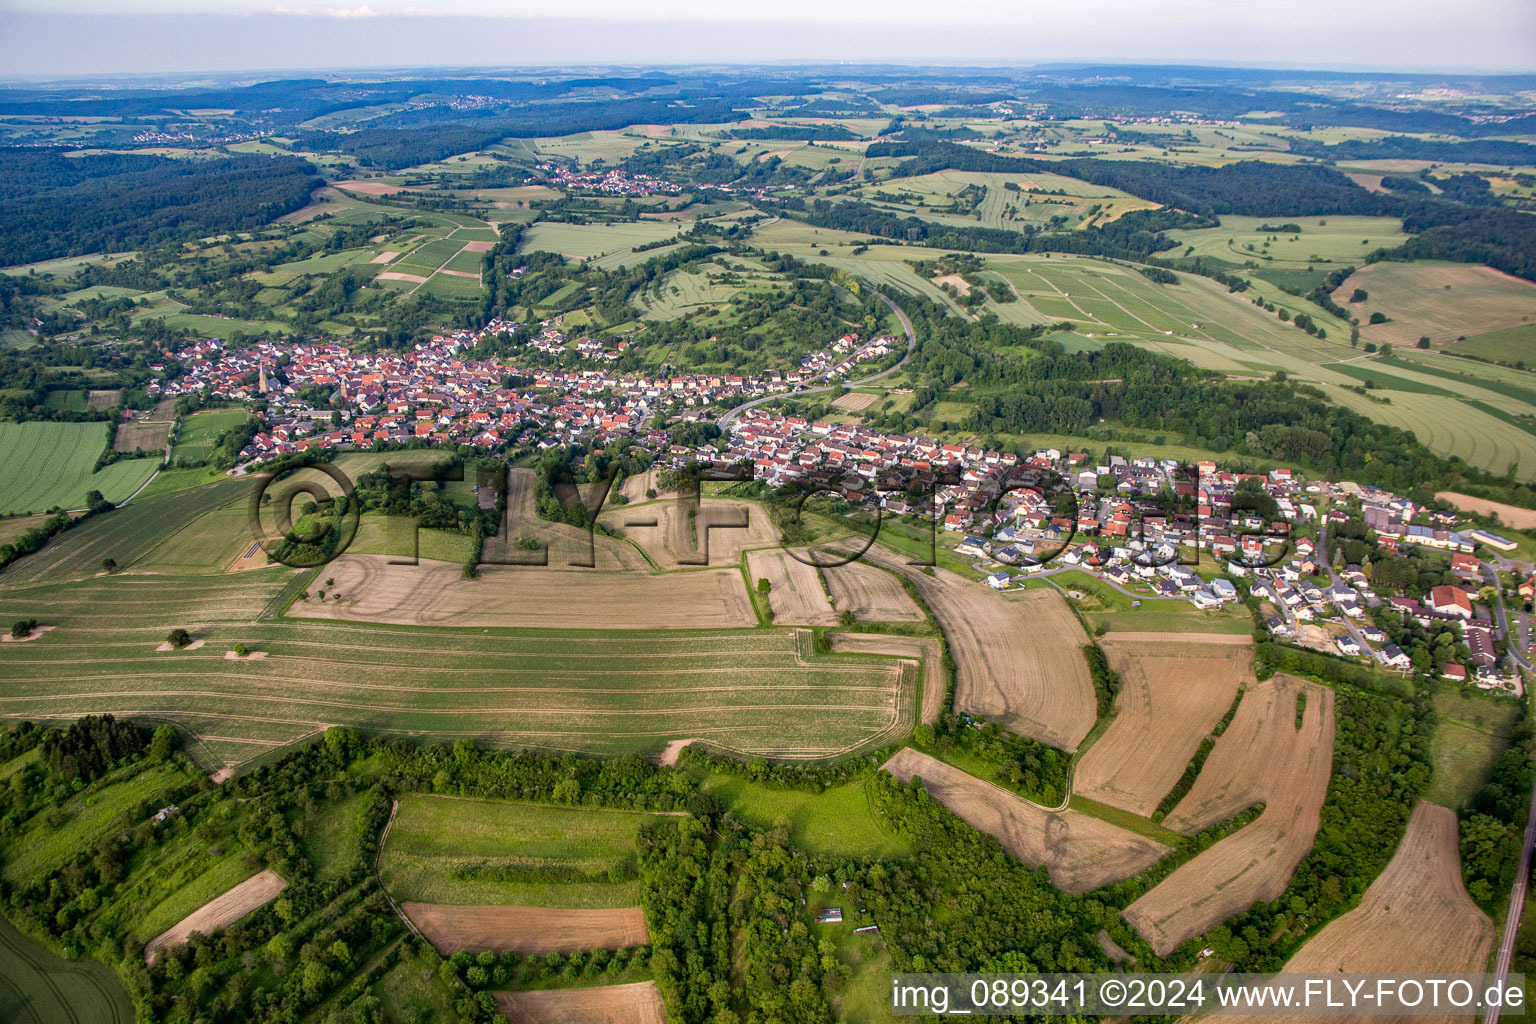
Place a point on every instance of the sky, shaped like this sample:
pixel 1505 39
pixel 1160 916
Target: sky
pixel 59 38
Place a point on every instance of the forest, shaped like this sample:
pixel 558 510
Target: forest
pixel 114 202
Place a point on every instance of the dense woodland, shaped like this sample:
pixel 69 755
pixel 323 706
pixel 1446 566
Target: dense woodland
pixel 64 206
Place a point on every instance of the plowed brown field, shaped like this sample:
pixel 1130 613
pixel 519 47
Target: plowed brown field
pixel 716 534
pixel 1262 754
pixel 1171 697
pixel 639 1003
pixel 436 594
pixel 796 596
pixel 1416 918
pixel 871 593
pixel 527 930
pixel 224 909
pixel 1019 657
pixel 1080 852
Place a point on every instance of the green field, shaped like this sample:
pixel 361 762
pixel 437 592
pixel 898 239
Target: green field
pixel 838 821
pixel 333 836
pixel 441 849
pixel 220 877
pixel 1472 731
pixel 37 987
pixel 124 535
pixel 1511 345
pixel 44 465
pixel 199 433
pixel 583 240
pixel 1324 241
pixel 1103 605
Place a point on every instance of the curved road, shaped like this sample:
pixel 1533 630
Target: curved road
pixel 906 325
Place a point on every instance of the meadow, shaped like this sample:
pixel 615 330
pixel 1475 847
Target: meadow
pixel 1471 731
pixel 48 465
pixel 461 851
pixel 199 433
pixel 839 821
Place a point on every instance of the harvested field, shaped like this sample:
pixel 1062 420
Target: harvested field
pixel 1080 852
pixel 371 589
pixel 527 930
pixel 871 593
pixel 855 401
pixel 1261 754
pixel 715 534
pixel 1443 301
pixel 639 1003
pixel 1416 918
pixel 1171 696
pixel 97 401
pixel 925 649
pixel 395 275
pixel 473 276
pixel 384 257
pixel 256 891
pixel 955 281
pixel 370 188
pixel 1019 657
pixel 478 246
pixel 1509 515
pixel 1241 771
pixel 796 597
pixel 565 545
pixel 148 430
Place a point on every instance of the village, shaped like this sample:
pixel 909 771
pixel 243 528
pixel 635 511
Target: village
pixel 1154 530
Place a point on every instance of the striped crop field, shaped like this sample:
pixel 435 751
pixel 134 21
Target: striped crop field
pixel 751 691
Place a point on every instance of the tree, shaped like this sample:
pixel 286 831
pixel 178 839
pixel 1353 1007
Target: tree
pixel 178 637
pixel 764 585
pixel 241 650
pixel 23 628
pixel 164 742
pixel 109 565
pixel 1424 341
pixel 1378 317
pixel 1359 295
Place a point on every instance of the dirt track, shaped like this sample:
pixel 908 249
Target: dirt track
pixel 639 1003
pixel 796 597
pixel 1416 918
pixel 1171 696
pixel 1288 768
pixel 436 594
pixel 527 930
pixel 1080 852
pixel 221 911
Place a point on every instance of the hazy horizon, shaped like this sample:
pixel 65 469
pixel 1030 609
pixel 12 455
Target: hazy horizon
pixel 228 36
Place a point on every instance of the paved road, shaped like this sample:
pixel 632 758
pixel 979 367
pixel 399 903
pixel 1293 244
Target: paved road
pixel 1333 578
pixel 1511 641
pixel 725 418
